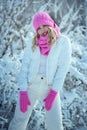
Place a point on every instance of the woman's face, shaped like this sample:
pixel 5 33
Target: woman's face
pixel 42 30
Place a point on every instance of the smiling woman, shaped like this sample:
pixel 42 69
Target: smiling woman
pixel 42 30
pixel 45 31
pixel 44 67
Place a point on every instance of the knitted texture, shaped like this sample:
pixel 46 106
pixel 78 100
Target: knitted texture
pixel 42 43
pixel 49 100
pixel 43 18
pixel 24 101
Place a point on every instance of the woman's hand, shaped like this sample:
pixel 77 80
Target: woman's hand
pixel 49 100
pixel 24 101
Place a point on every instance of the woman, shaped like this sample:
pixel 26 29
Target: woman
pixel 44 68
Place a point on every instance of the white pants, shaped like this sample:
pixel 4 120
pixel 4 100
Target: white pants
pixel 38 90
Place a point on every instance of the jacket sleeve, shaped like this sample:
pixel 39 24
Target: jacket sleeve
pixel 22 76
pixel 64 61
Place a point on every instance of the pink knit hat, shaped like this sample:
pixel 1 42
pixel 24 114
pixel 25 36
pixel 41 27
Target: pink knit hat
pixel 43 18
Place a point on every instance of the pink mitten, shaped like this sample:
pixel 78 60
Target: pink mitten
pixel 49 100
pixel 24 101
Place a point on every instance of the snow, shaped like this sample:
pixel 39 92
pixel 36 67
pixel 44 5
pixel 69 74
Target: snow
pixel 16 27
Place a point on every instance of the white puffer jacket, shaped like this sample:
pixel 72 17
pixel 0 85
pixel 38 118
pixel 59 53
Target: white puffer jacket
pixel 58 62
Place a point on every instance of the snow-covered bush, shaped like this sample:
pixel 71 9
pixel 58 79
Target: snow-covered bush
pixel 15 27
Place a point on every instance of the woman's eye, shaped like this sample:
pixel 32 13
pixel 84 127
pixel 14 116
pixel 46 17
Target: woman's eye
pixel 39 28
pixel 44 25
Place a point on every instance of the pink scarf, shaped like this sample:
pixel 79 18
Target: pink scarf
pixel 42 43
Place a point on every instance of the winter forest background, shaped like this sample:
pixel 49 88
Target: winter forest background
pixel 15 27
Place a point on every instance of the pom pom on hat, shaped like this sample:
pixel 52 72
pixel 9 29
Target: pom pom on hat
pixel 43 18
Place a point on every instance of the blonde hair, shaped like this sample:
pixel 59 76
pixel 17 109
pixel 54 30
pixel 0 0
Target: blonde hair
pixel 51 35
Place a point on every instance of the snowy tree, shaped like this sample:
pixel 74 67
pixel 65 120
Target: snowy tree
pixel 15 28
